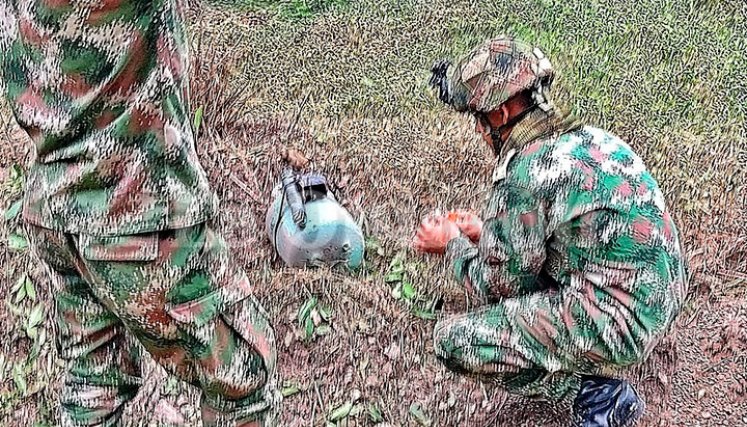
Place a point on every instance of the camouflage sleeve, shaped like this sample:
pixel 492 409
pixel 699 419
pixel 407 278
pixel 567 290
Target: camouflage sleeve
pixel 461 251
pixel 511 250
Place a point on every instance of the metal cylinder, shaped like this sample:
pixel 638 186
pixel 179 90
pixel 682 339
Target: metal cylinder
pixel 293 197
pixel 330 236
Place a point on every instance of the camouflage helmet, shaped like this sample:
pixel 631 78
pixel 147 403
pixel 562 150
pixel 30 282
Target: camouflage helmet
pixel 492 74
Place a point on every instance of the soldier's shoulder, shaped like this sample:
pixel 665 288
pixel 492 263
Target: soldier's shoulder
pixel 548 148
pixel 542 161
pixel 556 152
pixel 564 159
pixel 596 136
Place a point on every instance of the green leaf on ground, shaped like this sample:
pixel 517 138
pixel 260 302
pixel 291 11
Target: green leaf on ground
pixel 325 312
pixel 420 417
pixel 20 295
pixel 341 412
pixel 17 242
pixel 290 390
pixel 374 414
pixel 408 291
pixel 17 177
pixel 305 311
pixel 322 330
pixel 30 288
pixel 19 378
pixel 198 119
pixel 393 277
pixel 309 327
pixel 36 316
pixel 423 314
pixel 12 212
pixel 373 246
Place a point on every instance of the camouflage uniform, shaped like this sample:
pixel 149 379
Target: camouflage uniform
pixel 579 262
pixel 119 210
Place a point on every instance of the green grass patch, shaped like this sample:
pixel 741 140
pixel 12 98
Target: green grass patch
pixel 288 9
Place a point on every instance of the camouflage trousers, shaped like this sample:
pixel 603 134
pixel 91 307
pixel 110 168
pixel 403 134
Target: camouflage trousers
pixel 539 345
pixel 178 293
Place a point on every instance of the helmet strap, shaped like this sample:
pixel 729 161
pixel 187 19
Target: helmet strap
pixel 496 133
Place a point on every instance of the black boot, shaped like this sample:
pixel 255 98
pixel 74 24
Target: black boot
pixel 606 402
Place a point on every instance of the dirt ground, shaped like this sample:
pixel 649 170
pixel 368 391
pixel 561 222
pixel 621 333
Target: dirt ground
pixel 390 170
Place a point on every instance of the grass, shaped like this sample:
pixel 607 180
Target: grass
pixel 659 73
pixel 288 9
pixel 668 76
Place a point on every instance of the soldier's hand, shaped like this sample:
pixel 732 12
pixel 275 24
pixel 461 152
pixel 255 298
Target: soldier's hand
pixel 434 233
pixel 469 223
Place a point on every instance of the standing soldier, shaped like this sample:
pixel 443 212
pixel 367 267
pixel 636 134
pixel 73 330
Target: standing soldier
pixel 118 209
pixel 578 262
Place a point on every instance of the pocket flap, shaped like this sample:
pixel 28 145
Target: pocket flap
pixel 140 247
pixel 200 311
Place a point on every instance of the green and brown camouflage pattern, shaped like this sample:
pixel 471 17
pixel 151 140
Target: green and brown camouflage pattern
pixel 496 71
pixel 101 88
pixel 179 294
pixel 579 263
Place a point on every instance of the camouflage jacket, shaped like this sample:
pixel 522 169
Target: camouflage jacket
pixel 101 89
pixel 579 210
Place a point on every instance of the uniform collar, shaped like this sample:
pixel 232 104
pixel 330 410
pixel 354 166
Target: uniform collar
pixel 538 124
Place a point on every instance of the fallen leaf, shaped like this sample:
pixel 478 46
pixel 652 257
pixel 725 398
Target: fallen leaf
pixel 392 351
pixel 290 390
pixel 13 210
pixel 30 289
pixel 36 316
pixel 19 377
pixel 419 415
pixel 296 159
pixel 305 310
pixel 17 242
pixel 341 412
pixel 374 414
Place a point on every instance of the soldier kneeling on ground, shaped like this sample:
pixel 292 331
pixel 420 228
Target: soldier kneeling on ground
pixel 578 264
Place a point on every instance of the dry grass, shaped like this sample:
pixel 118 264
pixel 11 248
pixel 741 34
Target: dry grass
pixel 668 77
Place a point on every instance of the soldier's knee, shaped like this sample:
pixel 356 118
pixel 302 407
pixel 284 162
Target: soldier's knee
pixel 450 346
pixel 628 349
pixel 236 382
pixel 245 366
pixel 443 342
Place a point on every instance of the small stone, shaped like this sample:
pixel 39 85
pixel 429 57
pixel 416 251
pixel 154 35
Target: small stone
pixel 706 415
pixel 316 317
pixel 701 393
pixel 392 351
pixel 451 401
pixel 288 339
